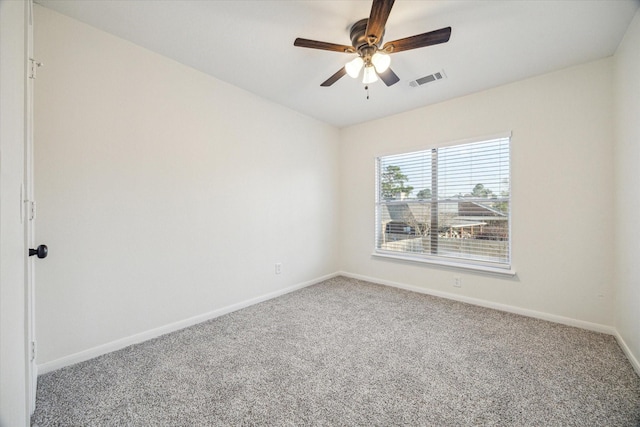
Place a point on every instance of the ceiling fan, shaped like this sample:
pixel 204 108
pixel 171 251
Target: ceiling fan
pixel 366 42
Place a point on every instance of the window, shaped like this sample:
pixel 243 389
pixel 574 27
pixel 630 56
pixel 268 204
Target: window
pixel 449 205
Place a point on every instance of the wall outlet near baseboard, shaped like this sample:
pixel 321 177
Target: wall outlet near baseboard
pixel 278 267
pixel 457 282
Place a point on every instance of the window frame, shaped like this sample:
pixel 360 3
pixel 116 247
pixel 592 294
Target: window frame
pixel 501 268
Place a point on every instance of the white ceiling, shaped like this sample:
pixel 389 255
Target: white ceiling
pixel 250 44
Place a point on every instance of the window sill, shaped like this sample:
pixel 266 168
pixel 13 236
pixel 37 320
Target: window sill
pixel 450 264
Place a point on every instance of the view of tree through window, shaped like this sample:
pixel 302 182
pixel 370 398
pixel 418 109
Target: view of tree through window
pixel 393 182
pixel 450 202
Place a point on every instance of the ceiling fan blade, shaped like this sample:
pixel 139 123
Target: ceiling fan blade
pixel 331 80
pixel 313 44
pixel 389 77
pixel 421 40
pixel 380 10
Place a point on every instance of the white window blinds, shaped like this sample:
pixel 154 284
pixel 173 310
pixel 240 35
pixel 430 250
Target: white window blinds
pixel 447 203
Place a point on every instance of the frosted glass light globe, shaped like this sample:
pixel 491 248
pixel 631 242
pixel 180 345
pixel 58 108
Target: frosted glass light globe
pixel 381 61
pixel 353 67
pixel 369 75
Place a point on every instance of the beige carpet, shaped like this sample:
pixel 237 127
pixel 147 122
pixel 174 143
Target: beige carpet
pixel 347 352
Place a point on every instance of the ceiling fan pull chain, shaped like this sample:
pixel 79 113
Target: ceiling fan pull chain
pixel 367 89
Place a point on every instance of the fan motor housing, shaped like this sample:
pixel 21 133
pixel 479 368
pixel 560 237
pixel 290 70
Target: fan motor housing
pixel 358 36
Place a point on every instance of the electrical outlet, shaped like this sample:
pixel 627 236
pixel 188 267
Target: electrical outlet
pixel 457 282
pixel 278 268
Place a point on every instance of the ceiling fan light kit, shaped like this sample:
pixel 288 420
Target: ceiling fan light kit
pixel 354 67
pixel 369 75
pixel 366 39
pixel 381 61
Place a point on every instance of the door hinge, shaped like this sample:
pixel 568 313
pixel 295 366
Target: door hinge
pixel 31 209
pixel 33 67
pixel 33 351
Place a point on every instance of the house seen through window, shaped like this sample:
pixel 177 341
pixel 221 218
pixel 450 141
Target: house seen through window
pixel 449 204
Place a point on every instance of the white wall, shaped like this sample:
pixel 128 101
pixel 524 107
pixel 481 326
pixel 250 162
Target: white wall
pixel 627 181
pixel 562 175
pixel 164 193
pixel 13 366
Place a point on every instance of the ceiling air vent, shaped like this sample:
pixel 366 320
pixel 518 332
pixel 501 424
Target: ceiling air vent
pixel 428 79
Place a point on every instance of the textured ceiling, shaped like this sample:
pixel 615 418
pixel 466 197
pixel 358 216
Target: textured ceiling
pixel 250 45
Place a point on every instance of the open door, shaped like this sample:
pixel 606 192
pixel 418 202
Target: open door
pixel 30 217
pixel 14 260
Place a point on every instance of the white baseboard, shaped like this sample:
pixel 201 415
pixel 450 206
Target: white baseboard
pixel 596 327
pixel 489 304
pixel 172 327
pixel 627 352
pixel 153 333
